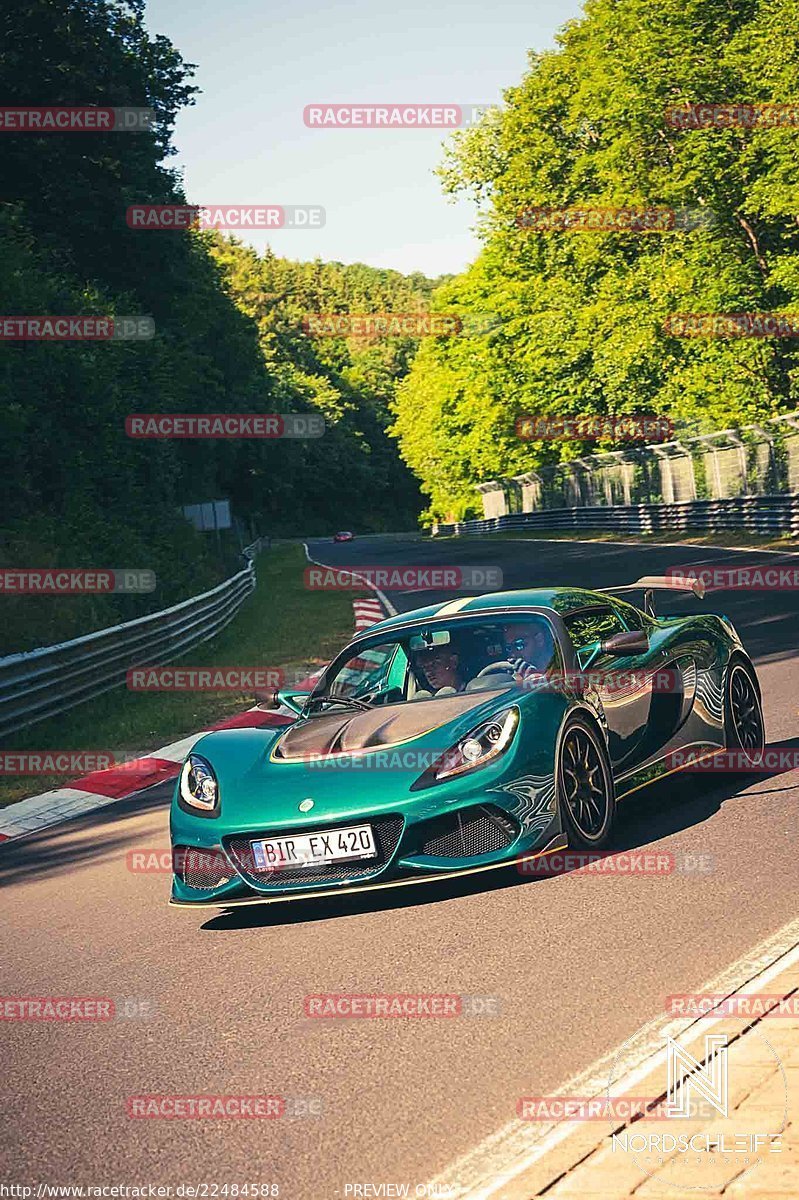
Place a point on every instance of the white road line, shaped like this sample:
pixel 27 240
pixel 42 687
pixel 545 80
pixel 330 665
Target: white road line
pixel 390 609
pixel 512 1149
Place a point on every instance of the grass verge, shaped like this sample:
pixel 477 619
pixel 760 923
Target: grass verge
pixel 281 625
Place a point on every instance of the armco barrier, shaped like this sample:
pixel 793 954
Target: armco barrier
pixel 755 514
pixel 48 681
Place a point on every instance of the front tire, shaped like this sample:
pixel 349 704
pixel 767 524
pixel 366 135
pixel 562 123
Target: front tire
pixel 586 792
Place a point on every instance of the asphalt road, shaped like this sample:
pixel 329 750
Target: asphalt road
pixel 577 963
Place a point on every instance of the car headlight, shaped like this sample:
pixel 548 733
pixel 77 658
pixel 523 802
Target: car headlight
pixel 198 784
pixel 481 746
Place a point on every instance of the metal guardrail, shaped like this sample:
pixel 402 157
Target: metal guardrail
pixel 756 514
pixel 46 682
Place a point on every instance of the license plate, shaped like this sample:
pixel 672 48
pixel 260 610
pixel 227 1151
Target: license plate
pixel 314 849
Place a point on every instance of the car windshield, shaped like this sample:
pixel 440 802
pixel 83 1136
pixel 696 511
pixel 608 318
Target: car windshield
pixel 436 660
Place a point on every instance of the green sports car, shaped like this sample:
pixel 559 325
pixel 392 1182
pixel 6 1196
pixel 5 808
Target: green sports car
pixel 463 736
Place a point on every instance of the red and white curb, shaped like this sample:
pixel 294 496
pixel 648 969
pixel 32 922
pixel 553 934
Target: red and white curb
pixel 367 612
pixel 102 788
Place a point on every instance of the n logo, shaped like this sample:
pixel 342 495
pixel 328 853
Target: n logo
pixel 708 1080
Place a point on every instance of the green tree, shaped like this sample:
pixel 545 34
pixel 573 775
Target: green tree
pixel 583 313
pixel 75 490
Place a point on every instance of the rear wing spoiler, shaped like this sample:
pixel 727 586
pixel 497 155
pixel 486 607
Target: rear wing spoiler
pixel 665 583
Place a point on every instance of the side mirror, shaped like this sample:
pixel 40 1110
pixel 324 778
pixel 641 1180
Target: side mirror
pixel 636 641
pixel 274 698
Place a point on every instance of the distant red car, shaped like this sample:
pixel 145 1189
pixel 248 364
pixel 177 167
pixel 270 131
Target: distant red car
pixel 344 536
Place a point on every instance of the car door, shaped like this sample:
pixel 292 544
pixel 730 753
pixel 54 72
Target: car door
pixel 620 685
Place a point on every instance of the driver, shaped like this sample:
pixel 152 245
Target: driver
pixel 529 649
pixel 440 668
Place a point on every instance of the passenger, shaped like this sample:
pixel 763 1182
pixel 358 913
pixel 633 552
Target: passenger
pixel 439 667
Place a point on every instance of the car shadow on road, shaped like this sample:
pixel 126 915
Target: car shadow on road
pixel 82 841
pixel 644 819
pixel 658 810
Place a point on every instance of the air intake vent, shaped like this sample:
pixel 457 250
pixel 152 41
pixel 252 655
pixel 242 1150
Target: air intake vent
pixel 202 869
pixel 469 832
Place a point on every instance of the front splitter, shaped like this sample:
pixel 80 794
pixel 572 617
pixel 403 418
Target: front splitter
pixel 557 844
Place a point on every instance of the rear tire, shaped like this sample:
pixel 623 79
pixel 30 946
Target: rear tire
pixel 585 786
pixel 744 727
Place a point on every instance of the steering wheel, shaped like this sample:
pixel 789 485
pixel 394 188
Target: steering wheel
pixel 495 668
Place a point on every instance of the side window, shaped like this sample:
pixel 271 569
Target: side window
pixel 631 616
pixel 365 671
pixel 592 625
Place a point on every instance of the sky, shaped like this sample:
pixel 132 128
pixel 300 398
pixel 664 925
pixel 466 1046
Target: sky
pixel 260 64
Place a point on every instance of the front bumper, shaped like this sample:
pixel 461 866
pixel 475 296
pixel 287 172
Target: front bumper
pixel 433 833
pixel 491 817
pixel 553 845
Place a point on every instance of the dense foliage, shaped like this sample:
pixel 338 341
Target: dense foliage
pixel 75 491
pixel 557 323
pixel 582 313
pixel 354 473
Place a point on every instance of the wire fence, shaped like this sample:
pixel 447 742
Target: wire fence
pixel 753 460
